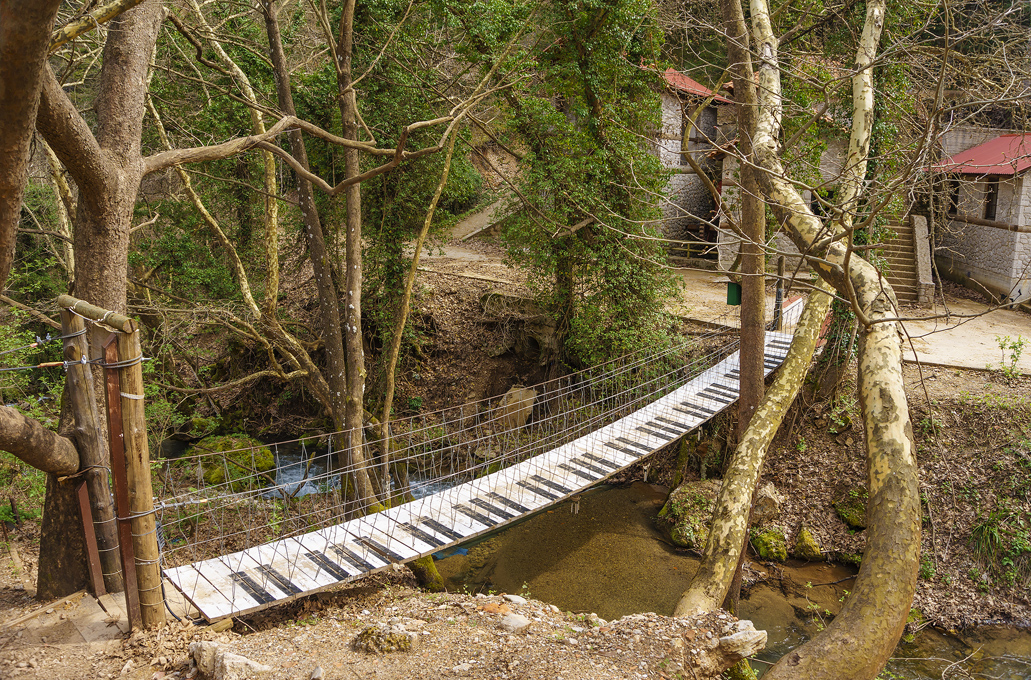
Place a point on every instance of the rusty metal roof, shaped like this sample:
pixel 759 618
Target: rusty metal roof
pixel 1005 155
pixel 681 83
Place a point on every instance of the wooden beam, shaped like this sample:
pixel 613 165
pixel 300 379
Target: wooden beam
pixel 118 472
pixel 141 492
pixel 90 444
pixel 970 219
pixel 115 320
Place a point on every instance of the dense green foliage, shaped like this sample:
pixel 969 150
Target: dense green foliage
pixel 590 184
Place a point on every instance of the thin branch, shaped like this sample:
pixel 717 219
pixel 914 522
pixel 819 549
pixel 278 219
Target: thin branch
pixel 103 14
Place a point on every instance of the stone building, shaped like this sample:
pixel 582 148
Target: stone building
pixel 983 239
pixel 690 212
pixel 903 255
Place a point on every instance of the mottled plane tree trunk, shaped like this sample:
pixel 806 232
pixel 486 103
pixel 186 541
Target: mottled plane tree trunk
pixel 857 643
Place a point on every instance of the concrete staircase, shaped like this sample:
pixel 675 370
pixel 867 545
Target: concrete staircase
pixel 903 253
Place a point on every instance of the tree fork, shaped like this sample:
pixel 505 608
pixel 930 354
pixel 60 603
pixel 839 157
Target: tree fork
pixel 858 642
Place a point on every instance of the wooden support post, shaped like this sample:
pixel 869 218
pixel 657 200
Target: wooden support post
pixel 141 492
pixel 92 554
pixel 90 445
pixel 118 471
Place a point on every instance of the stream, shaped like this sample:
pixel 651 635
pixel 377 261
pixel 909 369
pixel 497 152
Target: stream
pixel 609 558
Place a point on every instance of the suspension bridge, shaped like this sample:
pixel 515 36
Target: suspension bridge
pixel 241 544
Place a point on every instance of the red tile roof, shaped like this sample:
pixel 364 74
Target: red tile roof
pixel 678 81
pixel 1004 155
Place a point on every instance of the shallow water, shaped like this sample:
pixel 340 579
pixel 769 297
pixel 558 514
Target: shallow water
pixel 300 471
pixel 610 559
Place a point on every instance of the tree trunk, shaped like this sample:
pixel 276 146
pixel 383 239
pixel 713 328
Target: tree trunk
pixel 107 168
pixel 25 28
pixel 858 642
pixel 62 546
pixel 753 258
pixel 352 456
pixel 729 531
pixel 329 305
pixel 401 316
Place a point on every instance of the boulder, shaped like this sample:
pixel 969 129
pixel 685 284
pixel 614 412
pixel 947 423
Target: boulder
pixel 768 503
pixel 203 654
pixel 229 666
pixel 214 662
pixel 770 543
pixel 514 623
pixel 851 508
pixel 688 512
pixel 806 548
pixel 515 408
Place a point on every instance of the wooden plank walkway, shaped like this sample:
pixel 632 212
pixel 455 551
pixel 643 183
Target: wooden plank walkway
pixel 282 570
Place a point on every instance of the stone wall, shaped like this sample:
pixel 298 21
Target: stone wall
pixel 987 257
pixel 831 163
pixel 688 198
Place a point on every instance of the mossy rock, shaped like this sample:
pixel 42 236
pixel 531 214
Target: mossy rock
pixel 915 623
pixel 770 543
pixel 855 559
pixel 806 548
pixel 852 508
pixel 742 670
pixel 687 513
pixel 234 458
pixel 201 426
pixel 383 639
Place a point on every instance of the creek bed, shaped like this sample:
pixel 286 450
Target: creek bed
pixel 605 555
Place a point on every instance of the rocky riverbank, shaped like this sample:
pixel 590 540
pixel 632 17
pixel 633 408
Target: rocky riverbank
pixel 383 627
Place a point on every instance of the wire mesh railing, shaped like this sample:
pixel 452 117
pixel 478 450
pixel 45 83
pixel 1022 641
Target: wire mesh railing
pixel 218 502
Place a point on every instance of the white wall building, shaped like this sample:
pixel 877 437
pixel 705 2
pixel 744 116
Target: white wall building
pixel 985 240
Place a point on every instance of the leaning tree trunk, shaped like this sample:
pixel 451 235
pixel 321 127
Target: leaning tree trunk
pixel 858 642
pixel 25 28
pixel 329 301
pixel 729 531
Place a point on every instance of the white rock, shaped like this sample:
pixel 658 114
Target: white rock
pixel 514 623
pixel 318 673
pixel 229 666
pixel 743 641
pixel 515 599
pixel 203 654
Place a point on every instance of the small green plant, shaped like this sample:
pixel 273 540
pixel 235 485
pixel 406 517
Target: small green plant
pixel 1011 349
pixel 927 568
pixel 817 618
pixel 800 445
pixel 414 403
pixel 1001 541
pixel 929 426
